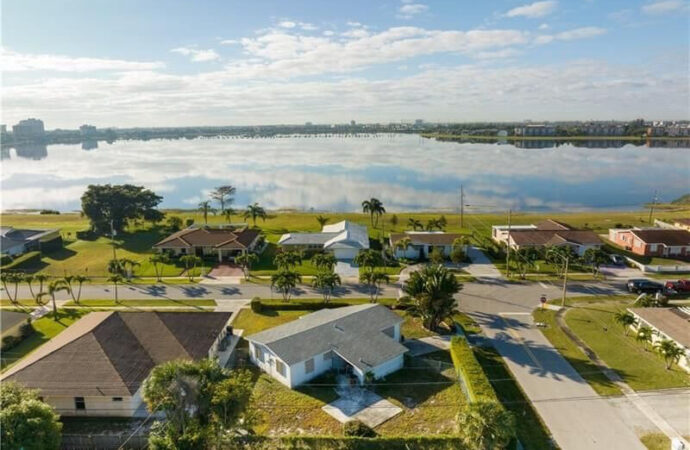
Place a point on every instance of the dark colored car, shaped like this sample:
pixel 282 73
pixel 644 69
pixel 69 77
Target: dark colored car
pixel 640 285
pixel 617 260
pixel 679 286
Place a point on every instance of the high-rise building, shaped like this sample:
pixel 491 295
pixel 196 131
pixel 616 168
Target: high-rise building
pixel 29 129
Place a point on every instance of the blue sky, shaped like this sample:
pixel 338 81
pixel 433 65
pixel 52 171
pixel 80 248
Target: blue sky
pixel 154 63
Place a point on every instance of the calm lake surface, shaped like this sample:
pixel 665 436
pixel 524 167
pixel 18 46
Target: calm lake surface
pixel 406 172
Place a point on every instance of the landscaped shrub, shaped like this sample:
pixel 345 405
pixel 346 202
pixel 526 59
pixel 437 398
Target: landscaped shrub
pixel 49 211
pixel 357 428
pixel 468 368
pixel 26 329
pixel 5 259
pixel 189 222
pixel 9 342
pixel 256 305
pixel 262 442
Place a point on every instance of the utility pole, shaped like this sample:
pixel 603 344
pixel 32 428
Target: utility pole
pixel 462 207
pixel 651 207
pixel 510 215
pixel 565 280
pixel 112 238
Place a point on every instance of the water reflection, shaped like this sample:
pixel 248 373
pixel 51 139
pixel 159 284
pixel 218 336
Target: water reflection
pixel 333 173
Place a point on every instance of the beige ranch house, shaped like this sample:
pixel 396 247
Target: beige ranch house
pixel 344 239
pixel 422 243
pixel 355 340
pixel 548 233
pixel 225 242
pixel 96 367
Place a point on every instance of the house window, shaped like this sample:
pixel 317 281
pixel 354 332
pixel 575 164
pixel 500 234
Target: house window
pixel 280 367
pixel 79 403
pixel 309 365
pixel 258 354
pixel 117 399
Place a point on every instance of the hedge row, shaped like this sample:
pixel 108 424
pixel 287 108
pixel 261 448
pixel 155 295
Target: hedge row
pixel 346 443
pixel 471 372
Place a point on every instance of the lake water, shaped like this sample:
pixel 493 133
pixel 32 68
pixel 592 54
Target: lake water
pixel 406 172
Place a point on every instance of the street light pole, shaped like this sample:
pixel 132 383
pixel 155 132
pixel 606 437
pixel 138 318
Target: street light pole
pixel 510 215
pixel 565 280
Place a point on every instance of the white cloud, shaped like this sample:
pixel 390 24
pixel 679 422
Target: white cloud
pixel 287 24
pixel 409 10
pixel 23 62
pixel 533 10
pixel 544 26
pixel 664 7
pixel 229 42
pixel 571 35
pixel 197 55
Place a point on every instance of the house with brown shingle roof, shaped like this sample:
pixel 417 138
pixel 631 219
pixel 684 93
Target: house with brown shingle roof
pixel 422 243
pixel 226 243
pixel 546 233
pixel 96 367
pixel 664 242
pixel 667 323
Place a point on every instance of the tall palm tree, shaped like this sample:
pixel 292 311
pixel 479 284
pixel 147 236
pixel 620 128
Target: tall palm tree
pixel 128 266
pixel 158 261
pixel 326 281
pixel 205 208
pixel 670 351
pixel 41 278
pixel 246 261
pixel 375 208
pixel 53 288
pixel 29 279
pixel 625 319
pixel 374 279
pixel 80 280
pixel 432 290
pixel 13 278
pixel 116 279
pixel 228 213
pixel 433 224
pixel 285 281
pixel 255 211
pixel 415 224
pixel 322 220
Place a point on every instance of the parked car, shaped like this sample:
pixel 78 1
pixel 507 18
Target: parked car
pixel 640 285
pixel 616 259
pixel 679 285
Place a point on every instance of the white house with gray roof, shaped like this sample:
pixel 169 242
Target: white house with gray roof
pixel 353 339
pixel 345 239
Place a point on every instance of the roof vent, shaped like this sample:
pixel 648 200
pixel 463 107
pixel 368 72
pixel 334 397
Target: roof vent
pixel 339 328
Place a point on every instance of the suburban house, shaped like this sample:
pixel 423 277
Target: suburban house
pixel 545 234
pixel 344 239
pixel 11 321
pixel 358 340
pixel 422 243
pixel 652 241
pixel 97 365
pixel 15 241
pixel 226 242
pixel 667 323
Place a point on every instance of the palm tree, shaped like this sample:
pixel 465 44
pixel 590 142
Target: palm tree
pixel 28 279
pixel 285 281
pixel 128 266
pixel 53 288
pixel 324 261
pixel 190 262
pixel 246 261
pixel 205 208
pixel 375 208
pixel 223 195
pixel 415 224
pixel 40 278
pixel 158 261
pixel 403 244
pixel 625 319
pixel 485 425
pixel 11 278
pixel 670 351
pixel 80 279
pixel 287 260
pixel 115 266
pixel 595 257
pixel 228 213
pixel 327 282
pixel 116 279
pixel 322 220
pixel 255 211
pixel 369 259
pixel 433 224
pixel 644 335
pixel 373 278
pixel 432 290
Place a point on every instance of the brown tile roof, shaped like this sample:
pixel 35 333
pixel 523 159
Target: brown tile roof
pixel 550 224
pixel 682 221
pixel 210 237
pixel 671 321
pixel 111 353
pixel 426 238
pixel 664 236
pixel 553 237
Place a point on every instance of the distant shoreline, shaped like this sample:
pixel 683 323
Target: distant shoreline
pixel 556 138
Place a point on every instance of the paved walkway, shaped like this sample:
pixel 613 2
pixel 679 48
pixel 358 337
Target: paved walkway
pixel 347 270
pixel 425 345
pixel 481 266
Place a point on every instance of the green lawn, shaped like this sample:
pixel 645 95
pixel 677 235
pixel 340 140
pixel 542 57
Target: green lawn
pixel 149 303
pixel 46 328
pixel 252 322
pixel 641 369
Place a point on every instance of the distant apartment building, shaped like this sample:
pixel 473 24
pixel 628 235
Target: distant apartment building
pixel 604 129
pixel 535 130
pixel 29 129
pixel 678 130
pixel 87 130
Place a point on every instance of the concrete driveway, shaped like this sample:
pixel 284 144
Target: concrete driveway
pixel 481 266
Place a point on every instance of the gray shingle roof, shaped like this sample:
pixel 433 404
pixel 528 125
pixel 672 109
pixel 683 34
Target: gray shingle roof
pixel 354 332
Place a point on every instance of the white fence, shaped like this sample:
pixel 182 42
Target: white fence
pixel 648 268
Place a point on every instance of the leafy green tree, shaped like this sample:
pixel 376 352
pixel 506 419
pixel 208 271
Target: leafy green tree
pixel 106 205
pixel 625 319
pixel 246 261
pixel 324 261
pixel 322 220
pixel 255 212
pixel 415 224
pixel 525 258
pixel 394 220
pixel 285 281
pixel 53 288
pixel 368 259
pixel 224 196
pixel 436 256
pixel 205 208
pixel 485 426
pixel 594 258
pixel 190 262
pixel 174 224
pixel 326 281
pixel 375 208
pixel 457 252
pixel 374 279
pixel 431 291
pixel 116 279
pixel 26 422
pixel 158 261
pixel 287 259
pixel 558 255
pixel 670 351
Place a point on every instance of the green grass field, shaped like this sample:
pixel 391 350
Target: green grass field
pixel 91 256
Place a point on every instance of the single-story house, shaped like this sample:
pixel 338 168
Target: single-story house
pixel 344 239
pixel 356 339
pixel 11 321
pixel 667 323
pixel 15 241
pixel 652 241
pixel 97 365
pixel 682 224
pixel 545 234
pixel 226 242
pixel 422 243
